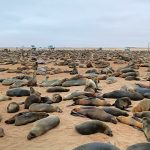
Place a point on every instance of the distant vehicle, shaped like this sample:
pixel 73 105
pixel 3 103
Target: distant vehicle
pixel 51 47
pixel 33 47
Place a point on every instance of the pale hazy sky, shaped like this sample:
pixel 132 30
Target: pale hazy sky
pixel 76 23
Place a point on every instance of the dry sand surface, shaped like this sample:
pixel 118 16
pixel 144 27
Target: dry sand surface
pixel 64 137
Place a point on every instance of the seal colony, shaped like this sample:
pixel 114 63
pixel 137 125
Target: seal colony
pixel 106 89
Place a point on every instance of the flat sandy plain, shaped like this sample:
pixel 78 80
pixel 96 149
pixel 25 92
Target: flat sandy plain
pixel 64 137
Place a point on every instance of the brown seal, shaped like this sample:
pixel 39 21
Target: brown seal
pixel 143 105
pixel 91 127
pixel 130 121
pixel 13 107
pixel 146 127
pixel 42 126
pixel 94 113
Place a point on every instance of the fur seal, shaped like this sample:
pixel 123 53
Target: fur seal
pixel 146 127
pixel 33 80
pixel 42 126
pixel 56 98
pixel 57 89
pixel 5 98
pixel 25 118
pixel 143 105
pixel 96 146
pixel 33 98
pixel 90 86
pixel 13 107
pixel 122 103
pixel 130 121
pixel 91 127
pixel 115 111
pixel 2 134
pixel 139 146
pixel 120 93
pixel 94 113
pixel 18 92
pixel 44 108
pixel 77 82
pixel 142 114
pixel 91 102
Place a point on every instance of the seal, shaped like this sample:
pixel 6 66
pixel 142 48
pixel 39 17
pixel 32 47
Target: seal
pixel 115 111
pixel 56 98
pixel 2 134
pixel 5 98
pixel 42 126
pixel 35 97
pixel 122 103
pixel 130 121
pixel 13 107
pixel 25 118
pixel 18 92
pixel 91 127
pixel 94 113
pixel 71 82
pixel 90 86
pixel 142 114
pixel 42 107
pixel 139 146
pixel 91 102
pixel 57 89
pixel 96 146
pixel 33 80
pixel 146 127
pixel 120 93
pixel 143 105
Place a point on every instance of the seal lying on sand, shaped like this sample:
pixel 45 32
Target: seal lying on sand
pixel 2 134
pixel 44 108
pixel 35 97
pixel 120 93
pixel 76 94
pixel 96 146
pixel 94 113
pixel 130 121
pixel 122 103
pixel 142 114
pixel 139 146
pixel 18 92
pixel 42 126
pixel 115 111
pixel 143 105
pixel 91 102
pixel 25 118
pixel 91 127
pixel 146 127
pixel 13 107
pixel 57 89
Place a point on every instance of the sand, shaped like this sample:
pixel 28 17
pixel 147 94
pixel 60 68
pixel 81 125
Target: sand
pixel 64 137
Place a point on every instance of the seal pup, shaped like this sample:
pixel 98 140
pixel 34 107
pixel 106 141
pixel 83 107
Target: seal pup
pixel 25 118
pixel 2 134
pixel 143 105
pixel 146 127
pixel 91 127
pixel 96 146
pixel 35 97
pixel 42 126
pixel 139 146
pixel 123 103
pixel 43 107
pixel 94 113
pixel 130 121
pixel 13 107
